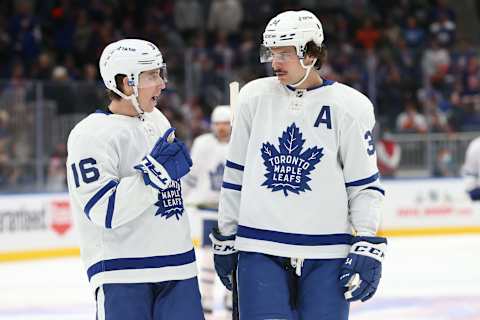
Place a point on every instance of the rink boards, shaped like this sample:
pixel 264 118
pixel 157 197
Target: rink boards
pixel 41 225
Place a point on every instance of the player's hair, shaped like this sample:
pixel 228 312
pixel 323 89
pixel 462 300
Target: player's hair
pixel 319 52
pixel 119 81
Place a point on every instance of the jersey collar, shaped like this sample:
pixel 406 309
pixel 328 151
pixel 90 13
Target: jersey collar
pixel 325 83
pixel 104 111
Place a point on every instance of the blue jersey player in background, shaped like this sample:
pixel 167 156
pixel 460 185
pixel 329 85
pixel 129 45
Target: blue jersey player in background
pixel 124 168
pixel 301 197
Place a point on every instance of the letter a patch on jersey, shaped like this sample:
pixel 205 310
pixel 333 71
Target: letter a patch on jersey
pixel 288 168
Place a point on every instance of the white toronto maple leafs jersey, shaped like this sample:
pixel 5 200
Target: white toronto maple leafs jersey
pixel 129 232
pixel 471 167
pixel 202 184
pixel 301 175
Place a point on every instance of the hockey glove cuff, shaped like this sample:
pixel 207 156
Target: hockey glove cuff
pixel 224 255
pixel 362 269
pixel 154 174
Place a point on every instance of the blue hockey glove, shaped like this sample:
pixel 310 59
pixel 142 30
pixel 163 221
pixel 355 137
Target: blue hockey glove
pixel 362 269
pixel 474 194
pixel 225 256
pixel 167 161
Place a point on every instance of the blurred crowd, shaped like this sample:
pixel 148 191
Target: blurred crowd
pixel 407 56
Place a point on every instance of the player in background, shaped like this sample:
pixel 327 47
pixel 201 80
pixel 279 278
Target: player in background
pixel 201 191
pixel 471 170
pixel 300 202
pixel 124 168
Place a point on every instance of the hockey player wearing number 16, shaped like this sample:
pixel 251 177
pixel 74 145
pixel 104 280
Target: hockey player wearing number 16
pixel 300 202
pixel 124 169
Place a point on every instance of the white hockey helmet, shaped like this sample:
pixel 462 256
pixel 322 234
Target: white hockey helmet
pixel 130 57
pixel 222 113
pixel 291 28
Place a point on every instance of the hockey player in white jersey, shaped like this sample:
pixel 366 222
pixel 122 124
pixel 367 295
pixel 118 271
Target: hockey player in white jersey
pixel 201 192
pixel 471 170
pixel 300 202
pixel 124 168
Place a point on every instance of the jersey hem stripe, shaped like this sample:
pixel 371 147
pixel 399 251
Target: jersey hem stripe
pixel 141 263
pixel 362 182
pixel 232 186
pixel 294 238
pixel 234 165
pixel 97 196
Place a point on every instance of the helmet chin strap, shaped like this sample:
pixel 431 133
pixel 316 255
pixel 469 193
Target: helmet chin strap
pixel 307 72
pixel 135 102
pixel 133 98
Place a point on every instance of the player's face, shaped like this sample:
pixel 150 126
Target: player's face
pixel 150 85
pixel 286 65
pixel 222 130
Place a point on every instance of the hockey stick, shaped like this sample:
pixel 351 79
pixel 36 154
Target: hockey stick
pixel 234 89
pixel 235 311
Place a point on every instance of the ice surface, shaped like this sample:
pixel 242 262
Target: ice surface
pixel 424 278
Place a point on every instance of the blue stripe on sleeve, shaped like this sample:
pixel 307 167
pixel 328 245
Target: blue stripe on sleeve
pixel 111 207
pixel 234 165
pixel 377 189
pixel 231 186
pixel 141 263
pixel 362 182
pixel 97 196
pixel 294 238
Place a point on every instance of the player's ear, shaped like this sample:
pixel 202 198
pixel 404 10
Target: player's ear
pixel 125 82
pixel 308 60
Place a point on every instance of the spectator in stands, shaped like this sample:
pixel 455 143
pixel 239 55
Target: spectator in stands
pixel 443 30
pixel 388 154
pixel 25 31
pixel 42 70
pixel 413 34
pixel 437 122
pixel 82 34
pixel 59 90
pixel 188 16
pixel 15 90
pixel 435 62
pixel 410 120
pixel 56 175
pixel 369 35
pixel 8 173
pixel 90 94
pixel 444 165
pixel 225 15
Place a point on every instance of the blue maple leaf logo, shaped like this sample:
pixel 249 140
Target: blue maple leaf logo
pixel 216 177
pixel 288 168
pixel 170 202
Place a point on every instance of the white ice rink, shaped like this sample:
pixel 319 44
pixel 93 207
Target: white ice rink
pixel 424 278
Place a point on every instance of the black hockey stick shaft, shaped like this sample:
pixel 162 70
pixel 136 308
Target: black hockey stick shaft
pixel 235 312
